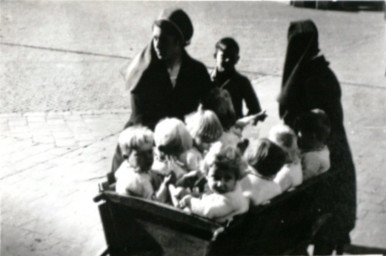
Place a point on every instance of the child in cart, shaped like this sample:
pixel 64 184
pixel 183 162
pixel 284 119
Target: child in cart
pixel 290 175
pixel 205 128
pixel 223 166
pixel 225 76
pixel 313 131
pixel 265 160
pixel 219 101
pixel 134 176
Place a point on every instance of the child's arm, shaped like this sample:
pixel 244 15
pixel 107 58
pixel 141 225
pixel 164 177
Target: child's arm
pixel 310 165
pixel 212 209
pixel 162 193
pixel 251 119
pixel 250 97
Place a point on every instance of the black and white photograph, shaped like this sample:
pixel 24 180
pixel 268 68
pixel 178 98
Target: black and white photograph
pixel 196 128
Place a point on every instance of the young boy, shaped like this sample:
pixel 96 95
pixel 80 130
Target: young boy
pixel 225 76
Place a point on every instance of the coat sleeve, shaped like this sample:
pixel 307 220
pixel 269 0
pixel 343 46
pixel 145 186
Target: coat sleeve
pixel 250 98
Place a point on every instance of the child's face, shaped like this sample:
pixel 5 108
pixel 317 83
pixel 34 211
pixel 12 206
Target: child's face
pixel 224 60
pixel 221 181
pixel 140 160
pixel 202 145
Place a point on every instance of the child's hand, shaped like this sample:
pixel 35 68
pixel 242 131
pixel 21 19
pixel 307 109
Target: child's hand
pixel 185 201
pixel 261 116
pixel 188 179
pixel 170 178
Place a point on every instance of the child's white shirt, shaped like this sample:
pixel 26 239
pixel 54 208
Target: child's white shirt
pixel 138 183
pixel 258 189
pixel 315 162
pixel 290 175
pixel 229 138
pixel 220 207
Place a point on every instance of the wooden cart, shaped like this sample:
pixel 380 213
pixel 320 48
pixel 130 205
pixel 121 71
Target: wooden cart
pixel 285 225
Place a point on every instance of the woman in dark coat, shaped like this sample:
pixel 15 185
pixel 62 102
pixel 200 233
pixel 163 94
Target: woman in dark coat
pixel 163 79
pixel 309 83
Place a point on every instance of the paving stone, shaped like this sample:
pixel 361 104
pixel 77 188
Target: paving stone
pixel 36 126
pixel 65 142
pixel 35 119
pixel 43 139
pixel 21 135
pixel 56 122
pixel 51 116
pixel 16 122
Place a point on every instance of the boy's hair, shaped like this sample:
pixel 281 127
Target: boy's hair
pixel 226 157
pixel 171 137
pixel 204 124
pixel 266 157
pixel 286 138
pixel 317 122
pixel 136 137
pixel 220 102
pixel 228 45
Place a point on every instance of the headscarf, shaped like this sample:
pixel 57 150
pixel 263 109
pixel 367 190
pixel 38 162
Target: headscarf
pixel 147 59
pixel 302 47
pixel 179 20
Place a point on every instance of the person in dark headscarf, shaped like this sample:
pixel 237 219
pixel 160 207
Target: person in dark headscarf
pixel 309 83
pixel 164 81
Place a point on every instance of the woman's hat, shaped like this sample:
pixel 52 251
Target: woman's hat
pixel 179 21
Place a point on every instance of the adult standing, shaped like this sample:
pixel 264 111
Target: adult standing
pixel 309 83
pixel 164 81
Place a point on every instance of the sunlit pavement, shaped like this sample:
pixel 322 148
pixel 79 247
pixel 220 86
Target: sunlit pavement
pixel 51 161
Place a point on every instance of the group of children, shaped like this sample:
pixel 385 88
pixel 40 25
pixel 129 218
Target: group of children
pixel 204 166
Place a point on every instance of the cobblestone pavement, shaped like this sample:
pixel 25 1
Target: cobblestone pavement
pixel 52 162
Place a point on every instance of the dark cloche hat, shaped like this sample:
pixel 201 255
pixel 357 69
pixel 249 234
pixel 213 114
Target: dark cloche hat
pixel 179 20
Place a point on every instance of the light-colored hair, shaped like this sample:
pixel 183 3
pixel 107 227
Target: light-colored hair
pixel 286 138
pixel 220 102
pixel 204 124
pixel 136 137
pixel 172 137
pixel 226 157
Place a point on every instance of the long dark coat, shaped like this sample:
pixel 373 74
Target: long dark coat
pixel 153 96
pixel 309 83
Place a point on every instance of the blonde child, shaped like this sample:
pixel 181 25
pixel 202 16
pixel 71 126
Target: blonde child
pixel 265 159
pixel 172 140
pixel 223 166
pixel 290 175
pixel 205 128
pixel 175 159
pixel 133 177
pixel 313 131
